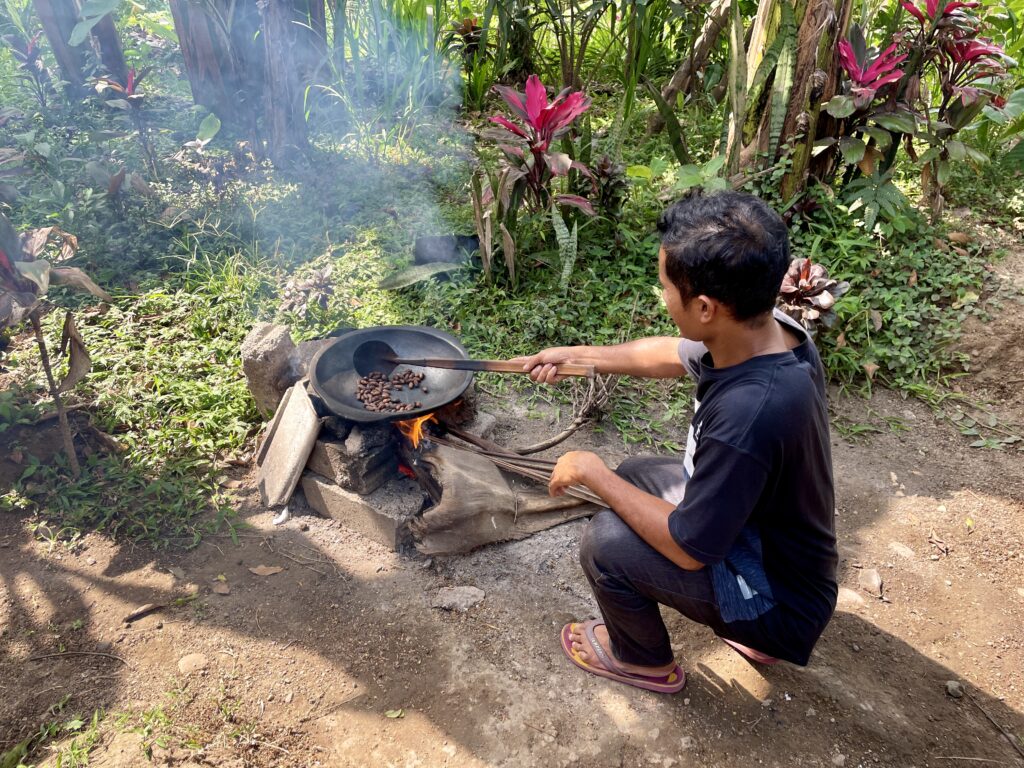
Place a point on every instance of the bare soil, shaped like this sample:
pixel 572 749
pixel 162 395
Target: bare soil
pixel 304 666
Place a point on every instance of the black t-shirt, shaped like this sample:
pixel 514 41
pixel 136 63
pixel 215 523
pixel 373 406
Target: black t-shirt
pixel 760 487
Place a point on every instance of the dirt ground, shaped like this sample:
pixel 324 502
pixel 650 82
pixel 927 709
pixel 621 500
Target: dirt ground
pixel 304 667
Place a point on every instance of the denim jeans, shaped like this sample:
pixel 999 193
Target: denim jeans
pixel 630 578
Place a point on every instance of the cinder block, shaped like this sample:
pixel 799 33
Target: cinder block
pixel 362 473
pixel 382 516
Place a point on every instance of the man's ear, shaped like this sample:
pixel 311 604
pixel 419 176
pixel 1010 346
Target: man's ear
pixel 709 308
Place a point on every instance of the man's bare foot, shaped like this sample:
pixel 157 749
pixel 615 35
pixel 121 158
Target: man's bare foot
pixel 581 645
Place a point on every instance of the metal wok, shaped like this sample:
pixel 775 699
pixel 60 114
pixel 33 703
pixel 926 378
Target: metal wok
pixel 334 377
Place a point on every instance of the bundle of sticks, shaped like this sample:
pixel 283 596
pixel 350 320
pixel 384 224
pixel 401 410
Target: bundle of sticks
pixel 530 467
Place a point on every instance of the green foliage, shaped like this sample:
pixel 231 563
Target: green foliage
pixel 907 301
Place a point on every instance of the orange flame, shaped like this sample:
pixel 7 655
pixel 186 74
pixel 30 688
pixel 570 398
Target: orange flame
pixel 413 428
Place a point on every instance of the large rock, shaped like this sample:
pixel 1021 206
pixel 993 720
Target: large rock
pixel 267 360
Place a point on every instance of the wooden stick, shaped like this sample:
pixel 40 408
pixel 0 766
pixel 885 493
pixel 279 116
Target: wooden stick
pixel 79 653
pixel 492 366
pixel 1006 734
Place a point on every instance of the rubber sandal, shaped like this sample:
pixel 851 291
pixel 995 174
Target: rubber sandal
pixel 673 682
pixel 750 654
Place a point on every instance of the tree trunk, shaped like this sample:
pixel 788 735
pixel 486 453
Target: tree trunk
pixel 65 428
pixel 224 60
pixel 59 18
pixel 682 79
pixel 285 117
pixel 109 45
pixel 793 43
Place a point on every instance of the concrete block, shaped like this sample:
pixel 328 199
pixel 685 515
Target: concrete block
pixel 363 473
pixel 382 516
pixel 286 447
pixel 267 362
pixel 368 438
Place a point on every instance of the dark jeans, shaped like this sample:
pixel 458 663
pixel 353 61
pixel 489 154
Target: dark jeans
pixel 630 578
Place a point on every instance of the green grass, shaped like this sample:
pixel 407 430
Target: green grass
pixel 166 379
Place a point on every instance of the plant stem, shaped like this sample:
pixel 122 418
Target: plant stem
pixel 65 429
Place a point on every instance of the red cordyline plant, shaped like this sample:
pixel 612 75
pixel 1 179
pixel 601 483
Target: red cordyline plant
pixel 868 74
pixel 542 123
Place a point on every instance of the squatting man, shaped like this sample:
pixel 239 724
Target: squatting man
pixel 738 534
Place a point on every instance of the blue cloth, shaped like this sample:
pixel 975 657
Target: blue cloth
pixel 740 583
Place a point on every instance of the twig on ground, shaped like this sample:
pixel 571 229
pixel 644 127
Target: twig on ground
pixel 143 610
pixel 538 730
pixel 585 407
pixel 272 746
pixel 79 653
pixel 1006 734
pixel 975 759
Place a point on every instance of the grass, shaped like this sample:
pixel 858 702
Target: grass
pixel 166 379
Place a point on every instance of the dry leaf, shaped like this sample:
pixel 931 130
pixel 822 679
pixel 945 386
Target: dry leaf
pixel 76 278
pixel 221 588
pixel 942 245
pixel 841 340
pixel 114 185
pixel 79 362
pixel 969 522
pixel 876 319
pixel 912 280
pixel 960 238
pixel 870 369
pixel 266 570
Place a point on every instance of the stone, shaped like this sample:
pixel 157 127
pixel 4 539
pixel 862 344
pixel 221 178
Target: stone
pixel 362 473
pixel 901 549
pixel 457 598
pixel 303 355
pixel 839 760
pixel 267 353
pixel 193 662
pixel 382 516
pixel 849 599
pixel 285 450
pixel 955 689
pixel 104 646
pixel 870 581
pixel 365 439
pixel 482 425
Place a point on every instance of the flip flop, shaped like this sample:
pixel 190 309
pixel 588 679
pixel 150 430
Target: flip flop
pixel 751 654
pixel 673 682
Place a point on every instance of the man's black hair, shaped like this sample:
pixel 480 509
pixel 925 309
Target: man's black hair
pixel 730 246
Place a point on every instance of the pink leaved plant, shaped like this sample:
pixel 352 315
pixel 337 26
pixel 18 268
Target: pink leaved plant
pixel 929 11
pixel 869 75
pixel 542 122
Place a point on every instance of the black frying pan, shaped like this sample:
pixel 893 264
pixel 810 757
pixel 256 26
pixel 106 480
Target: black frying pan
pixel 334 376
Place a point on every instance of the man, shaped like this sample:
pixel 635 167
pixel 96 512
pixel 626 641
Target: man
pixel 738 535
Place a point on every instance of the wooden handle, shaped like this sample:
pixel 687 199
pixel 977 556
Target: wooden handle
pixel 493 366
pixel 563 369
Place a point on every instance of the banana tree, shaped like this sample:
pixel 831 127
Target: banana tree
pixel 790 69
pixel 25 278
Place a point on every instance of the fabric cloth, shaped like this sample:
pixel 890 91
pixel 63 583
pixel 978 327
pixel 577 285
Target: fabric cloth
pixel 754 502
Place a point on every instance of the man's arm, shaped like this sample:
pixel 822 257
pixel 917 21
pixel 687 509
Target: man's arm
pixel 653 358
pixel 647 515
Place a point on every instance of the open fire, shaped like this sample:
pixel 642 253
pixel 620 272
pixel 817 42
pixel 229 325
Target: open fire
pixel 413 429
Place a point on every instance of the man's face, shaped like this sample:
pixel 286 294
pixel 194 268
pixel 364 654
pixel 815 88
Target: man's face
pixel 681 316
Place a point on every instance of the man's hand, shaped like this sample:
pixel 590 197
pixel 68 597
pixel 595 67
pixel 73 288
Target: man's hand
pixel 542 366
pixel 575 468
pixel 655 358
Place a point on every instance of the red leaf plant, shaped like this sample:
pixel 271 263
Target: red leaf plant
pixel 869 75
pixel 541 123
